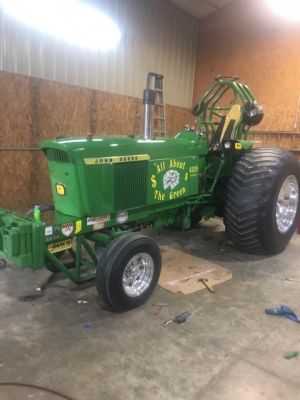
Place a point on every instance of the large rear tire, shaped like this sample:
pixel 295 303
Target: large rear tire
pixel 262 205
pixel 128 271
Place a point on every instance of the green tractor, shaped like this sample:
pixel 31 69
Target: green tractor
pixel 106 189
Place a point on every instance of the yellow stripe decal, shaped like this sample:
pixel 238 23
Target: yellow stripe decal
pixel 116 159
pixel 235 114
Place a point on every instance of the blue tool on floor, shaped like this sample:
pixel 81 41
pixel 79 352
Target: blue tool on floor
pixel 179 319
pixel 284 311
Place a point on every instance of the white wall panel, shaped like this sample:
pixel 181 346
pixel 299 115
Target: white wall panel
pixel 156 36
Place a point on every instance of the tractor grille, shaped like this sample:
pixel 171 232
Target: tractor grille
pixel 130 185
pixel 58 156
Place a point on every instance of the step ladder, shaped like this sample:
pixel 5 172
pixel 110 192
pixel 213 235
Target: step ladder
pixel 156 82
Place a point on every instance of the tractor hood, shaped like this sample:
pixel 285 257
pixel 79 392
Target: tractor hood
pixel 103 175
pixel 80 149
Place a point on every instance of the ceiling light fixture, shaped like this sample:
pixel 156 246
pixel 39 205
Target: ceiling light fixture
pixel 69 20
pixel 289 9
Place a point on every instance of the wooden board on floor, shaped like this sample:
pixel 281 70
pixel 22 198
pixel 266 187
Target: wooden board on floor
pixel 181 272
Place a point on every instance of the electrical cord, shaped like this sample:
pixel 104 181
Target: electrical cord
pixel 32 386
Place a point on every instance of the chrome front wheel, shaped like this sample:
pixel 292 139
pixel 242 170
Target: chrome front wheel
pixel 128 271
pixel 138 274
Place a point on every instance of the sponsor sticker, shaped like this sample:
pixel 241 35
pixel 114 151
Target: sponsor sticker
pixel 60 246
pixel 49 230
pixel 67 229
pixel 122 217
pixel 98 226
pixel 96 220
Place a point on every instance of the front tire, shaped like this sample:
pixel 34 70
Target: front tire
pixel 128 271
pixel 262 205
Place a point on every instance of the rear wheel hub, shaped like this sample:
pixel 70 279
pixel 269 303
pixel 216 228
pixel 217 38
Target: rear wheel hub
pixel 287 204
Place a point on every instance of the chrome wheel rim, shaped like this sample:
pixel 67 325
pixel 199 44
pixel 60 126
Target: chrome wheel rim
pixel 287 203
pixel 138 274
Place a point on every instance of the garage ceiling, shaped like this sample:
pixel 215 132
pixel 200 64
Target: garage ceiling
pixel 200 8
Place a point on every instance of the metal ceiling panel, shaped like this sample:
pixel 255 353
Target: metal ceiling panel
pixel 156 36
pixel 197 8
pixel 219 3
pixel 200 8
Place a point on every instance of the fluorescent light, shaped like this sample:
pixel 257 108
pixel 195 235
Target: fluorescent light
pixel 289 9
pixel 68 20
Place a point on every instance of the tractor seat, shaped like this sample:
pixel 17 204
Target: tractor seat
pixel 226 126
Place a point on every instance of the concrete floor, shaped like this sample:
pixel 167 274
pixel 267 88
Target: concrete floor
pixel 228 349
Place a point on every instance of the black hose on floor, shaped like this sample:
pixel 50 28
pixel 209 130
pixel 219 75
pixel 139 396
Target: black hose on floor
pixel 32 386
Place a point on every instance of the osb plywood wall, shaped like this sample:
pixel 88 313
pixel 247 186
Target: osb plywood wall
pixel 32 110
pixel 247 39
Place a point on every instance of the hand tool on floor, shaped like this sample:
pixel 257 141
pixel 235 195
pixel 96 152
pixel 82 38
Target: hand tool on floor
pixel 179 319
pixel 284 311
pixel 208 287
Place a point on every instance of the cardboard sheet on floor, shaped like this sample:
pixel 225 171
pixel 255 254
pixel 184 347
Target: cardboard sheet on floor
pixel 181 272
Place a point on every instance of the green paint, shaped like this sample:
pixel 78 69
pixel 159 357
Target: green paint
pixel 22 240
pixel 212 105
pixel 37 213
pixel 293 354
pixel 104 187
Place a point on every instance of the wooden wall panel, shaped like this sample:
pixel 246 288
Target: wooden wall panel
pixel 177 118
pixel 247 39
pixel 61 110
pixel 41 189
pixel 32 110
pixel 117 115
pixel 15 131
pixel 287 140
pixel 16 180
pixel 15 111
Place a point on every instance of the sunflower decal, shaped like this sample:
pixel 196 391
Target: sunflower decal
pixel 171 179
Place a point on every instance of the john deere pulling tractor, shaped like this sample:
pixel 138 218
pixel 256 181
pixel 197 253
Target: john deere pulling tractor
pixel 106 189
